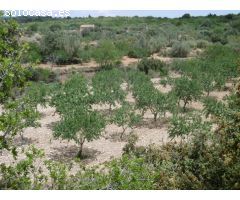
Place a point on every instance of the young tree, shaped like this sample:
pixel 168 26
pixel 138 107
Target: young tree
pixel 148 97
pixel 160 103
pixel 207 82
pixel 186 90
pixel 80 126
pixel 125 117
pixel 37 94
pixel 213 107
pixel 107 87
pixel 73 93
pixel 187 124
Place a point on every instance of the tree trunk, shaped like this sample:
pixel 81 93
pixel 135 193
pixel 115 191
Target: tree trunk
pixel 184 106
pixel 79 154
pixel 208 92
pixel 121 136
pixel 155 117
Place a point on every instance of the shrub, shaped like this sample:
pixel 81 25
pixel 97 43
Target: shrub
pixel 180 49
pixel 106 53
pixel 201 44
pixel 61 48
pixel 39 74
pixel 55 27
pixel 60 57
pixel 33 54
pixel 187 124
pixel 37 94
pixel 147 64
pixel 186 16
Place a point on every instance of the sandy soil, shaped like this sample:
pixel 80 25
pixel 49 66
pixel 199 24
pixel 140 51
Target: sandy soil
pixel 103 149
pixel 96 152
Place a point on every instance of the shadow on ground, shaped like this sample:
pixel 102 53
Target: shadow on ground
pixel 20 141
pixel 68 153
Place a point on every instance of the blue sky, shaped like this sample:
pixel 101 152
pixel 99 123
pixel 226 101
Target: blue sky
pixel 155 13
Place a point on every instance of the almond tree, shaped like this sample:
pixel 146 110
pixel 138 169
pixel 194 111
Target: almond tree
pixel 186 90
pixel 107 87
pixel 80 126
pixel 125 117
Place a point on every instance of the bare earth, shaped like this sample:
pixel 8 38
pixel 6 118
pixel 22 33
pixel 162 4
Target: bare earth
pixel 103 149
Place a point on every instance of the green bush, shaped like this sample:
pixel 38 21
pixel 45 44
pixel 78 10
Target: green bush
pixel 147 64
pixel 106 53
pixel 202 44
pixel 40 74
pixel 61 48
pixel 55 27
pixel 180 49
pixel 33 54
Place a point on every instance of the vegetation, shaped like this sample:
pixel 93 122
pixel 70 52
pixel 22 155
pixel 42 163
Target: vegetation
pixel 145 65
pixel 125 117
pixel 203 147
pixel 186 90
pixel 107 87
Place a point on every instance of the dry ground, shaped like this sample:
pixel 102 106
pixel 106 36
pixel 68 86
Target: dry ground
pixel 103 149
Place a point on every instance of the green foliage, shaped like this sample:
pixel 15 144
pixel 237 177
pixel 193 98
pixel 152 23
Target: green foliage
pixel 107 87
pixel 73 101
pixel 61 47
pixel 185 125
pixel 55 27
pixel 37 94
pixel 125 117
pixel 145 65
pixel 33 54
pixel 186 90
pixel 38 74
pixel 25 175
pixel 11 73
pixel 209 159
pixel 186 16
pixel 33 28
pixel 72 94
pixel 214 107
pixel 148 97
pixel 16 112
pixel 106 53
pixel 80 125
pixel 180 49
